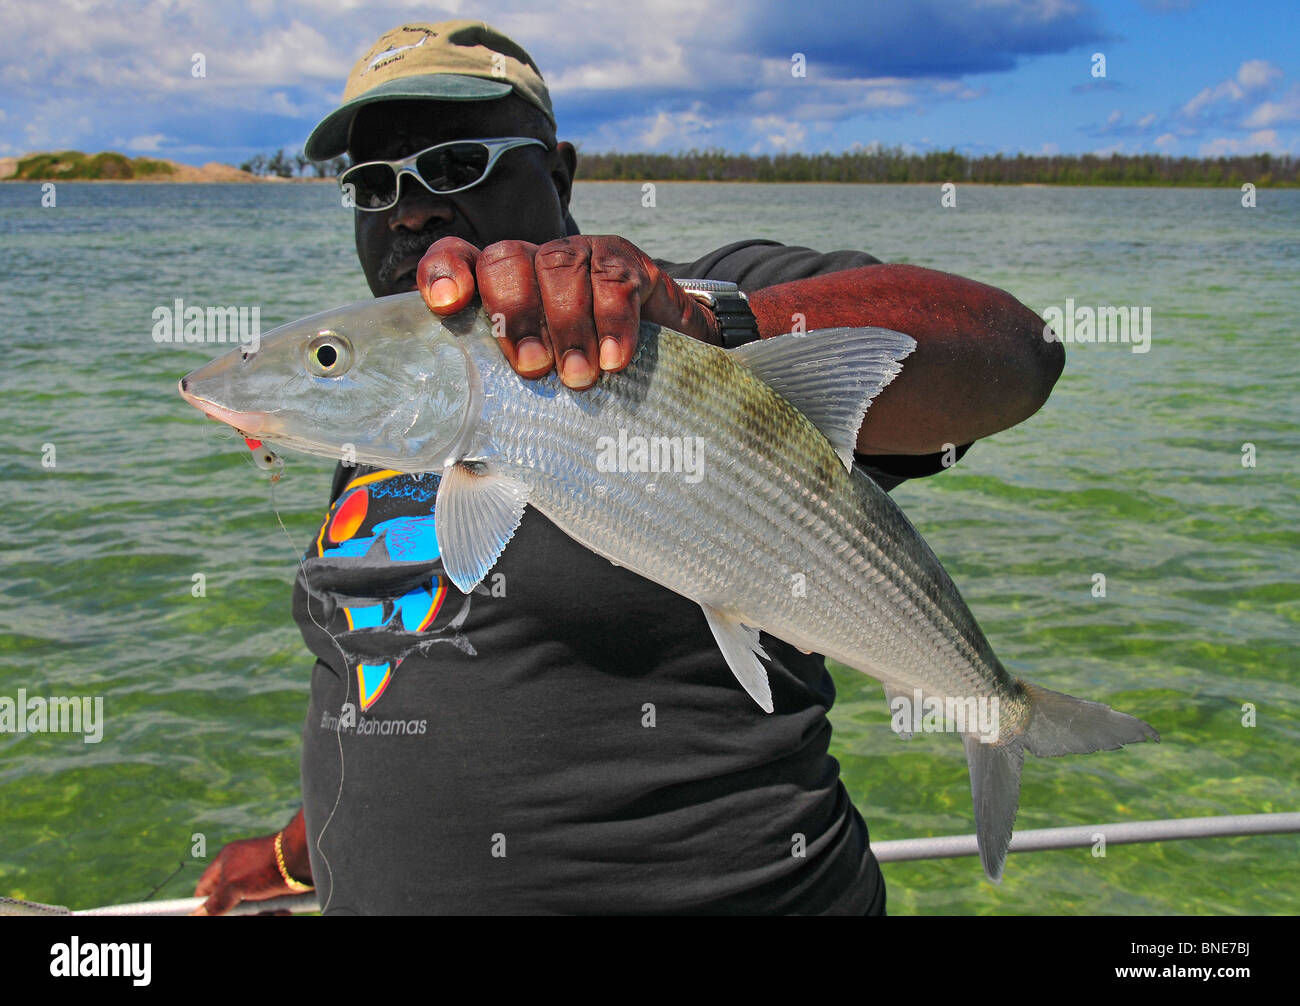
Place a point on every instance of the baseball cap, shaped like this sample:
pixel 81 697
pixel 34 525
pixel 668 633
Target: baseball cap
pixel 447 61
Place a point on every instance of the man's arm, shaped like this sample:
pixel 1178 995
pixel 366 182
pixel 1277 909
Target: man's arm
pixel 981 362
pixel 247 870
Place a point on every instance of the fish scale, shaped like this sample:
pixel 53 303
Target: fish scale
pixel 658 395
pixel 779 419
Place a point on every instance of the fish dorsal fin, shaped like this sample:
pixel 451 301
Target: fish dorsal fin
pixel 830 375
pixel 475 515
pixel 741 649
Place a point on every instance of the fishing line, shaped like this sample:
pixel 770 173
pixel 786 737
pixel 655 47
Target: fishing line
pixel 165 881
pixel 347 684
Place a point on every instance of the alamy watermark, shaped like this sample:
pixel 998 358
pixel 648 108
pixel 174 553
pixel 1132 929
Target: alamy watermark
pixel 56 715
pixel 76 959
pixel 632 453
pixel 1131 325
pixel 974 714
pixel 176 322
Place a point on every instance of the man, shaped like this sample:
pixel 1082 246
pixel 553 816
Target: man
pixel 569 738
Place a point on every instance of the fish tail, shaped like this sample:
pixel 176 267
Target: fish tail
pixel 1061 724
pixel 1058 724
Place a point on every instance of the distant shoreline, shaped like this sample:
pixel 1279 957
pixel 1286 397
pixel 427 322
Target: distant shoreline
pixel 163 180
pixel 870 166
pixel 679 181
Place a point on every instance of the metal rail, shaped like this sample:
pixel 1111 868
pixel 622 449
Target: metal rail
pixel 1125 833
pixel 295 903
pixel 900 850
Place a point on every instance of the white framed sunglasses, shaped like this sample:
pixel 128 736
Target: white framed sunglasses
pixel 444 168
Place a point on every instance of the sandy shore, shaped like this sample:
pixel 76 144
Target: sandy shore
pixel 213 171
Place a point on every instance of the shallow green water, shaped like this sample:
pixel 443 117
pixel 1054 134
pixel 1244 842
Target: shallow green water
pixel 1132 470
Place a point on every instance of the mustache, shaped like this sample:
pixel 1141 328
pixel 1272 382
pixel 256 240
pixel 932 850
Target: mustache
pixel 403 248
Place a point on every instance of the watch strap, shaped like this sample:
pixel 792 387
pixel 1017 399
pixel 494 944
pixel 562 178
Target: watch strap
pixel 729 305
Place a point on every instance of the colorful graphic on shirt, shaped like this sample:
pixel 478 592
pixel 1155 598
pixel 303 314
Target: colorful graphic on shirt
pixel 403 623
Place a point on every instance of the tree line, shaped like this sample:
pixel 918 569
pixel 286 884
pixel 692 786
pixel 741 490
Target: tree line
pixel 881 164
pixel 884 164
pixel 288 165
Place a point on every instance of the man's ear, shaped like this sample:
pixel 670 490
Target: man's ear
pixel 564 165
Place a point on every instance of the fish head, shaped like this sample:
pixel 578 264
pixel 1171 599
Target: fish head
pixel 383 382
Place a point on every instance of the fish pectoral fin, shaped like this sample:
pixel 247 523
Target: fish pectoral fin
pixel 897 722
pixel 831 375
pixel 741 649
pixel 475 515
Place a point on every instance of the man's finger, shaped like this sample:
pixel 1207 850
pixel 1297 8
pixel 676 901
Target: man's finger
pixel 507 282
pixel 208 880
pixel 616 284
pixel 564 280
pixel 669 306
pixel 220 902
pixel 445 275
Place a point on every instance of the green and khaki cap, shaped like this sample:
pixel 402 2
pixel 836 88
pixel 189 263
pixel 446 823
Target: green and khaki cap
pixel 448 61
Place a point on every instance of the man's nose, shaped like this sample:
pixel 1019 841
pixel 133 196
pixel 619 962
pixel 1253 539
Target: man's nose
pixel 417 206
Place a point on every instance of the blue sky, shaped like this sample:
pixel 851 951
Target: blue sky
pixel 1183 77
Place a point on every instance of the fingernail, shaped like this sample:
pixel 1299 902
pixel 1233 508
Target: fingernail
pixel 576 369
pixel 532 355
pixel 611 355
pixel 443 292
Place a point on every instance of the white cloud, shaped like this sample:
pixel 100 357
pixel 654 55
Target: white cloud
pixel 1263 141
pixel 1146 120
pixel 1229 89
pixel 781 133
pixel 1114 117
pixel 1272 112
pixel 145 143
pixel 1165 140
pixel 1257 73
pixel 675 129
pixel 1252 76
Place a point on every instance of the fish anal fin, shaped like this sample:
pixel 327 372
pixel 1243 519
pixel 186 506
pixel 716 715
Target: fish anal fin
pixel 831 375
pixel 476 514
pixel 741 649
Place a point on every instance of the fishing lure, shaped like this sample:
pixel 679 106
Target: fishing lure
pixel 266 459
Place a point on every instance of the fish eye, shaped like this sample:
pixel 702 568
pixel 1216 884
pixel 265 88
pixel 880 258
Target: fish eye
pixel 329 354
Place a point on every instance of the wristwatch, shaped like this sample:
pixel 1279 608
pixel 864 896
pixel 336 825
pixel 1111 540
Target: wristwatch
pixel 729 306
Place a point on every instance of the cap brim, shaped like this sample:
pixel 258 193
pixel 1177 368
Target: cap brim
pixel 330 137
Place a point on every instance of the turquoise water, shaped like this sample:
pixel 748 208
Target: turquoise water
pixel 1132 470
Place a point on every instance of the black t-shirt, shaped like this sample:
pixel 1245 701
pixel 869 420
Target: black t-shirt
pixel 544 745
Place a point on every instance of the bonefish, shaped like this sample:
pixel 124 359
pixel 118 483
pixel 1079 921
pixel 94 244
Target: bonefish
pixel 770 495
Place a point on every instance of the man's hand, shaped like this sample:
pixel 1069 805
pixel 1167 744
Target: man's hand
pixel 578 300
pixel 246 870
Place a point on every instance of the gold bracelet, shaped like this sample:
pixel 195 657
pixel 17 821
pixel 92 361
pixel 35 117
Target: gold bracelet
pixel 293 885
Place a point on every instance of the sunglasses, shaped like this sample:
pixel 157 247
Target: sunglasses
pixel 443 169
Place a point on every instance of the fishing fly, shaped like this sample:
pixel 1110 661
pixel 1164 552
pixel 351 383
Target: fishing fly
pixel 266 459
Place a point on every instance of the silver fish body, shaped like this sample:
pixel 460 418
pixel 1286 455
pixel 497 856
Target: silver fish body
pixel 722 476
pixel 774 508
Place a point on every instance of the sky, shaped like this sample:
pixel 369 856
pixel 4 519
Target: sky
pixel 1181 77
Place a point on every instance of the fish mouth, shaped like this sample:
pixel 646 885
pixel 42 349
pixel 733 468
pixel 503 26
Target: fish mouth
pixel 248 423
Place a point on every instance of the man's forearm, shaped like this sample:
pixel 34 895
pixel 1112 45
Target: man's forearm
pixel 981 363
